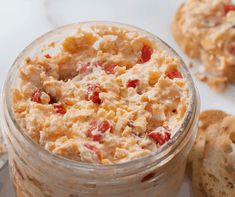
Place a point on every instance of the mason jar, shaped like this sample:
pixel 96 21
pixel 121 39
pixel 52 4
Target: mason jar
pixel 36 172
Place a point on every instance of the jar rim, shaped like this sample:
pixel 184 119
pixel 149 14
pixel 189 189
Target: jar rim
pixel 156 156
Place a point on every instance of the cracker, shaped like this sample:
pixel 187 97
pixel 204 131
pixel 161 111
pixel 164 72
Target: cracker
pixel 210 117
pixel 218 171
pixel 196 157
pixel 208 125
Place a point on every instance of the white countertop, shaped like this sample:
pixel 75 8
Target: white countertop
pixel 24 20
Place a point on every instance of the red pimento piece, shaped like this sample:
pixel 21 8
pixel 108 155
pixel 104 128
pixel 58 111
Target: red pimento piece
pixel 53 100
pixel 97 128
pixel 47 56
pixel 83 67
pixel 157 137
pixel 232 48
pixel 167 136
pixel 228 8
pixel 109 68
pixel 93 132
pixel 59 109
pixel 94 149
pixel 100 63
pixel 174 74
pixel 104 126
pixel 92 94
pixel 36 96
pixel 148 177
pixel 160 138
pixel 146 53
pixel 133 83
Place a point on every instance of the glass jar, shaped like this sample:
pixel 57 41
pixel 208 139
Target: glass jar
pixel 38 173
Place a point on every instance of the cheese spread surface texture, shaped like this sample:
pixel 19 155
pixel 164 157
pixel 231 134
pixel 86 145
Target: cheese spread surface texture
pixel 108 96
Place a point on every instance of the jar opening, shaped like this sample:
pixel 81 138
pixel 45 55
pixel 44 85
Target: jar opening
pixel 154 157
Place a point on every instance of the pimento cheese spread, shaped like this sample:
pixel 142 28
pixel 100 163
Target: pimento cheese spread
pixel 108 96
pixel 205 30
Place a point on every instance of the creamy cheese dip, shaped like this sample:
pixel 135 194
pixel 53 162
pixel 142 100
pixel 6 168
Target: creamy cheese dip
pixel 108 96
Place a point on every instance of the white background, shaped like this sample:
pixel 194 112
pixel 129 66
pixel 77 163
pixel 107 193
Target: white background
pixel 21 21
